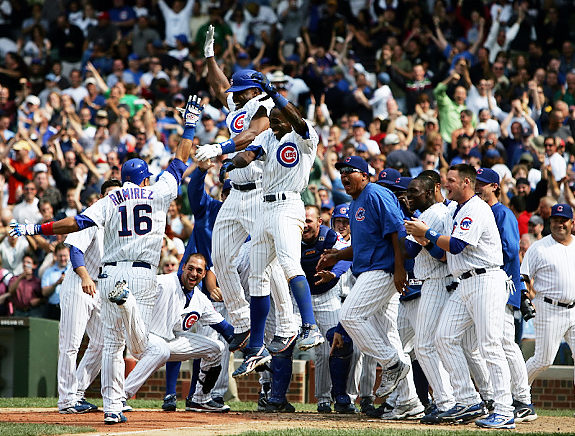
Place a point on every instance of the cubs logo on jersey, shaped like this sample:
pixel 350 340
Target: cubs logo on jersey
pixel 288 155
pixel 465 223
pixel 189 320
pixel 360 214
pixel 237 122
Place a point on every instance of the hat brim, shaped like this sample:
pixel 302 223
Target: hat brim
pixel 386 182
pixel 481 179
pixel 238 88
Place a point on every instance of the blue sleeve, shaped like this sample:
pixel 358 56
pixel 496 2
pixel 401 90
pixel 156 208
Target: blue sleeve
pixel 456 246
pixel 84 222
pixel 412 248
pixel 225 329
pixel 509 232
pixel 257 149
pixel 197 195
pixel 341 267
pixel 176 169
pixel 436 252
pixel 339 329
pixel 76 257
pixel 389 211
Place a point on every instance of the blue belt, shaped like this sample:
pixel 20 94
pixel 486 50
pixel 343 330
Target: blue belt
pixel 134 264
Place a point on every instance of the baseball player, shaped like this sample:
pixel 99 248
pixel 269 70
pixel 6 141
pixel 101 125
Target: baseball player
pixel 474 256
pixel 134 220
pixel 179 306
pixel 80 312
pixel 547 269
pixel 369 313
pixel 249 109
pixel 287 150
pixel 487 187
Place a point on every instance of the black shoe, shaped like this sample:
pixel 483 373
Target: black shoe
pixel 239 341
pixel 366 404
pixel 262 402
pixel 218 400
pixel 211 406
pixel 284 407
pixel 377 413
pixel 345 408
pixel 431 415
pixel 324 407
pixel 169 403
pixel 91 407
pixel 524 412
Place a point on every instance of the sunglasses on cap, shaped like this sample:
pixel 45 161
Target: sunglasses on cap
pixel 349 170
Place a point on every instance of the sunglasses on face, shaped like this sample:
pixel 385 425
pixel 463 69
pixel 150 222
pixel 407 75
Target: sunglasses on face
pixel 349 170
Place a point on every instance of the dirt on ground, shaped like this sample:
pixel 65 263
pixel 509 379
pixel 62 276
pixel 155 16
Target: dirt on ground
pixel 154 422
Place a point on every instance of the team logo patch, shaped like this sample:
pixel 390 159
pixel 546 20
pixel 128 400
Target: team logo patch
pixel 237 123
pixel 190 319
pixel 360 214
pixel 465 223
pixel 288 155
pixel 559 208
pixel 348 159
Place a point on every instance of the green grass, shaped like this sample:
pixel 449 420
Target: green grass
pixel 11 429
pixel 378 432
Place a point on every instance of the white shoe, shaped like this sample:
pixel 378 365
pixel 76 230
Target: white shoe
pixel 413 410
pixel 390 378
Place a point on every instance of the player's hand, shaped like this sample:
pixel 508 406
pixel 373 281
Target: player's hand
pixel 421 241
pixel 209 44
pixel 88 286
pixel 264 83
pixel 337 342
pixel 227 166
pixel 327 259
pixel 416 227
pixel 205 165
pixel 216 295
pixel 18 229
pixel 208 151
pixel 324 277
pixel 193 111
pixel 400 279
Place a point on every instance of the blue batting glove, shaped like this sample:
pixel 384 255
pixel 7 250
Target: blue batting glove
pixel 227 166
pixel 193 111
pixel 18 229
pixel 264 83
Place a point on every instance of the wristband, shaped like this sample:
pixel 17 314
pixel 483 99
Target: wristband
pixel 432 235
pixel 280 101
pixel 189 133
pixel 228 146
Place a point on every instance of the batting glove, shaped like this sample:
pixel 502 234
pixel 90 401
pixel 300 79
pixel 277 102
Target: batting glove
pixel 209 44
pixel 208 151
pixel 227 166
pixel 17 229
pixel 192 111
pixel 265 84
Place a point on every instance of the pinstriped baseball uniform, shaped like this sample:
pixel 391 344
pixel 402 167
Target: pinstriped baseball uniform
pixel 478 301
pixel 170 338
pixel 80 313
pixel 550 265
pixel 134 220
pixel 287 165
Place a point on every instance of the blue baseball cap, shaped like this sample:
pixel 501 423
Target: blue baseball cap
pixel 329 204
pixel 358 123
pixel 389 176
pixel 361 147
pixel 227 185
pixel 492 153
pixel 487 175
pixel 562 210
pixel 356 162
pixel 402 183
pixel 242 80
pixel 341 211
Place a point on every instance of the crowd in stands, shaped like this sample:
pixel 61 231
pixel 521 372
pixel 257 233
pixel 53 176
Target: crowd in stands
pixel 408 84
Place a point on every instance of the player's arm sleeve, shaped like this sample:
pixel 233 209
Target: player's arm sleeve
pixel 197 195
pixel 81 239
pixel 468 230
pixel 84 221
pixel 176 169
pixel 257 149
pixel 309 139
pixel 94 215
pixel 76 257
pixel 412 249
pixel 225 329
pixel 456 245
pixel 391 217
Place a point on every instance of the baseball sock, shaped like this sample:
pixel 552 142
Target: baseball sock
pixel 300 289
pixel 172 372
pixel 195 376
pixel 259 309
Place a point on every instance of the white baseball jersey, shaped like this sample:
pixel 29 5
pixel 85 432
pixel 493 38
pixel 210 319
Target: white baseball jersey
pixel 550 265
pixel 89 241
pixel 426 266
pixel 287 162
pixel 131 212
pixel 172 314
pixel 239 119
pixel 346 280
pixel 474 223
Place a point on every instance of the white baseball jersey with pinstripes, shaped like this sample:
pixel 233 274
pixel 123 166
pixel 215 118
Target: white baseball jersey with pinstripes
pixel 474 223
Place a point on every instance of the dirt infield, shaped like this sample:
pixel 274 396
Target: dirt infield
pixel 154 422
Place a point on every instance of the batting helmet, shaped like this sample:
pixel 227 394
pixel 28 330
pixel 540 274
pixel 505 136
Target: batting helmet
pixel 341 211
pixel 135 171
pixel 242 80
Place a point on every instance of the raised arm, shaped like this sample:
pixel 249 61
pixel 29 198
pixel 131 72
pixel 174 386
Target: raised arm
pixel 191 116
pixel 216 78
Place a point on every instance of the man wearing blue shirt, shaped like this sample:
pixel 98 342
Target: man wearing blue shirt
pixel 52 279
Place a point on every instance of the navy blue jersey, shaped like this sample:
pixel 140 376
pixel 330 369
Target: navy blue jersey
pixel 413 288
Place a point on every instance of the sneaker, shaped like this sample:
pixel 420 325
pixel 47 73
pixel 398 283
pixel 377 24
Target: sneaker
pixel 413 410
pixel 324 407
pixel 169 403
pixel 461 414
pixel 239 341
pixel 495 420
pixel 79 407
pixel 309 337
pixel 431 416
pixel 365 404
pixel 380 411
pixel 253 358
pixel 284 407
pixel 390 378
pixel 262 402
pixel 345 408
pixel 127 408
pixel 218 400
pixel 524 412
pixel 211 406
pixel 279 344
pixel 91 407
pixel 114 418
pixel 120 293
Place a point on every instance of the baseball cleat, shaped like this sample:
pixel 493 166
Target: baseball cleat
pixel 284 407
pixel 253 357
pixel 210 406
pixel 170 402
pixel 309 337
pixel 462 414
pixel 114 418
pixel 239 341
pixel 79 407
pixel 413 410
pixel 92 407
pixel 119 294
pixel 495 420
pixel 324 407
pixel 279 344
pixel 379 411
pixel 264 396
pixel 365 404
pixel 390 378
pixel 345 408
pixel 524 412
pixel 126 407
pixel 431 415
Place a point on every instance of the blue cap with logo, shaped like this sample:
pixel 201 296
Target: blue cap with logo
pixel 389 176
pixel 487 175
pixel 242 80
pixel 356 162
pixel 341 211
pixel 402 183
pixel 562 210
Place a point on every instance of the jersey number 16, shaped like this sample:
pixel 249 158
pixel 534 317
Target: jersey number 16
pixel 142 223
